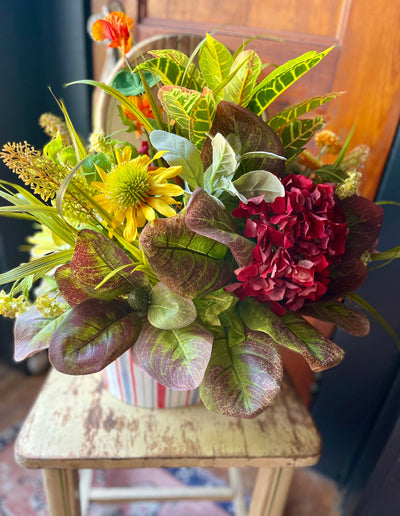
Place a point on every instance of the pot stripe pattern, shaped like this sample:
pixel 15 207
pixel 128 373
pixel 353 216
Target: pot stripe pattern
pixel 129 383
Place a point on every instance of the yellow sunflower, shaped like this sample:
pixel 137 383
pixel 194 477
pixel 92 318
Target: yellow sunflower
pixel 133 191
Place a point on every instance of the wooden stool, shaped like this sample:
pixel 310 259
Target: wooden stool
pixel 77 424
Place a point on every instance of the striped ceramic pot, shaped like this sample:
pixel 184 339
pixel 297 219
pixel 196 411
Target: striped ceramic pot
pixel 130 383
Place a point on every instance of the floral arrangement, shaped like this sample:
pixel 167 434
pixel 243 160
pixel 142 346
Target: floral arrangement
pixel 204 248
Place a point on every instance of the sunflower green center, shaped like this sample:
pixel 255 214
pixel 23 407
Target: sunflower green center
pixel 129 184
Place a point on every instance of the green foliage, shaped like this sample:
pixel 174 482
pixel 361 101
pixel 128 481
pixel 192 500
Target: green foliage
pixel 186 262
pixel 298 133
pixel 176 358
pixel 168 310
pixel 281 78
pixel 181 152
pixel 293 112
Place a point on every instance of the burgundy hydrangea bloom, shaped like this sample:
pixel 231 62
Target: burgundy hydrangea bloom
pixel 298 237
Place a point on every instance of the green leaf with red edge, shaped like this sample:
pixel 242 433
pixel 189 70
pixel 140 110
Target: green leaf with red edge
pixel 293 332
pixel 92 335
pixel 208 218
pixel 32 332
pixel 71 291
pixel 253 133
pixel 95 257
pixel 364 219
pixel 354 322
pixel 242 378
pixel 175 358
pixel 187 263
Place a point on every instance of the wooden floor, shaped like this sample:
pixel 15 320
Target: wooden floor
pixel 310 494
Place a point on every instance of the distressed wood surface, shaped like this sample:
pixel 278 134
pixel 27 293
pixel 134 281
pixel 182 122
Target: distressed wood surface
pixel 77 423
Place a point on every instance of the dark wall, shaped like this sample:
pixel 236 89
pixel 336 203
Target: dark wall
pixel 42 43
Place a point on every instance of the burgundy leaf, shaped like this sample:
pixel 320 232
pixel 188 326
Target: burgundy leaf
pixel 92 335
pixel 95 256
pixel 354 322
pixel 254 134
pixel 69 288
pixel 364 220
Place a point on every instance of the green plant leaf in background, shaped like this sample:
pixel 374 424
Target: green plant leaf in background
pixel 168 310
pixel 32 332
pixel 298 133
pixel 130 84
pixel 240 88
pixel 215 62
pixel 92 335
pixel 181 152
pixel 175 358
pixel 187 263
pixel 244 377
pixel 281 78
pixel 292 112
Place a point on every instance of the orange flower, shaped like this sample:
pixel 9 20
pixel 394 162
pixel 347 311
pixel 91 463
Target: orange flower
pixel 142 102
pixel 116 27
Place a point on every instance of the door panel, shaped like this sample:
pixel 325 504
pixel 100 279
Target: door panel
pixel 364 63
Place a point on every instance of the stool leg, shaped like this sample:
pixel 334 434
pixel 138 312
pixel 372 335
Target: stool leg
pixel 62 491
pixel 270 491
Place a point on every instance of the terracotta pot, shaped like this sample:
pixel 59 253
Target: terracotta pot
pixel 130 383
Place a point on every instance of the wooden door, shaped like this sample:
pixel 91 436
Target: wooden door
pixel 364 63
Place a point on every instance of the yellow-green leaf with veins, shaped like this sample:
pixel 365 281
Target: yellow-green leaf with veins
pixel 192 78
pixel 178 103
pixel 202 118
pixel 215 63
pixel 240 89
pixel 168 71
pixel 292 112
pixel 281 78
pixel 296 135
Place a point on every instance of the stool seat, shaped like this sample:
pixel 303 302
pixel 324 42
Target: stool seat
pixel 76 423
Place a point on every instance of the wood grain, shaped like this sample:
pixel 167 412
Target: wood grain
pixel 86 427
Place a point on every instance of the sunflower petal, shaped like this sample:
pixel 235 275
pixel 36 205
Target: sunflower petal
pixel 166 189
pixel 159 205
